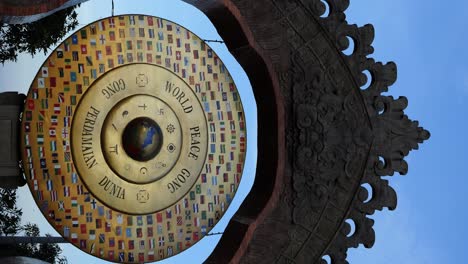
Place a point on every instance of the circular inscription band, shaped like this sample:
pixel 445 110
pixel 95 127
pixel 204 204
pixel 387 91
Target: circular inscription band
pixel 142 139
pixel 126 96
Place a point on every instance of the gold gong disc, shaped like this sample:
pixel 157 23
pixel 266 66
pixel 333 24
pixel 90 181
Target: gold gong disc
pixel 133 139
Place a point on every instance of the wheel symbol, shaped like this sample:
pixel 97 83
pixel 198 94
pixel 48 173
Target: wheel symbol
pixel 170 128
pixel 171 148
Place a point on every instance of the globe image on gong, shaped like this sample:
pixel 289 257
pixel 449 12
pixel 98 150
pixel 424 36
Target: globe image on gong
pixel 142 139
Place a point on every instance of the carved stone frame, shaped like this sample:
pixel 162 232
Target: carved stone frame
pixel 327 137
pixel 325 134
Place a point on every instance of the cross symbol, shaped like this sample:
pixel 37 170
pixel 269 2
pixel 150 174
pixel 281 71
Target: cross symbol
pixel 102 39
pixel 143 106
pixel 65 133
pixel 93 204
pixel 61 206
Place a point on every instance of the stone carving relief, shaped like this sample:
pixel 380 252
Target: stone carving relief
pixel 341 135
pixel 333 135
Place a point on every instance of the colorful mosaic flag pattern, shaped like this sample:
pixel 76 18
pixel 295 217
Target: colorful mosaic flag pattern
pixel 48 163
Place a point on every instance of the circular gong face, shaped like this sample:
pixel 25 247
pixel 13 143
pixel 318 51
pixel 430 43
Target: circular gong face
pixel 141 136
pixel 133 139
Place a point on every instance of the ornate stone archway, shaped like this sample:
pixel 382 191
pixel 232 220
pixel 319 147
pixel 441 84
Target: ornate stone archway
pixel 327 135
pixel 330 137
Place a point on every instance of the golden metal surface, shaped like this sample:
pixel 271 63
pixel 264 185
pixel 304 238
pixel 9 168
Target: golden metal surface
pixel 113 75
pixel 132 108
pixel 119 181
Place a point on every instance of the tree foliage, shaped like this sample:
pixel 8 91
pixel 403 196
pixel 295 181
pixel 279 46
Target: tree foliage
pixel 10 215
pixel 46 252
pixel 10 225
pixel 36 36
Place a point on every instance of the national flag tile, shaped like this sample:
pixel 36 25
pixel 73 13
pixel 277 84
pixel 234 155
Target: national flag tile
pixel 66 191
pixel 74 238
pixel 40 139
pixel 53 145
pixel 80 209
pixel 56 108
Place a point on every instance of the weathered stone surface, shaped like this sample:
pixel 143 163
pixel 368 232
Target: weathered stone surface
pixel 329 133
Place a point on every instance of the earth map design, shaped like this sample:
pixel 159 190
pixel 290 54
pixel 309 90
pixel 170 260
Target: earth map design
pixel 142 139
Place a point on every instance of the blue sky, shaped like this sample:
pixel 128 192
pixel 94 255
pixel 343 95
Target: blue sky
pixel 427 41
